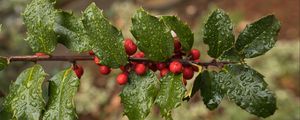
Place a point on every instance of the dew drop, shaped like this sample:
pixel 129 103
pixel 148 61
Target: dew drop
pixel 69 104
pixel 228 83
pixel 33 104
pixel 23 97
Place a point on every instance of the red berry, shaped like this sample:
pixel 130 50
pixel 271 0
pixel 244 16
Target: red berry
pixel 40 54
pixel 96 60
pixel 184 82
pixel 195 68
pixel 91 52
pixel 197 60
pixel 122 68
pixel 161 65
pixel 130 46
pixel 188 72
pixel 104 69
pixel 177 44
pixel 152 66
pixel 164 72
pixel 195 54
pixel 140 69
pixel 139 55
pixel 78 70
pixel 122 78
pixel 175 67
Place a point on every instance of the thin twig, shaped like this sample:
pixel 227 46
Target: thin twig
pixel 34 58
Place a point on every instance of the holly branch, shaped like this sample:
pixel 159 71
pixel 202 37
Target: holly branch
pixel 72 58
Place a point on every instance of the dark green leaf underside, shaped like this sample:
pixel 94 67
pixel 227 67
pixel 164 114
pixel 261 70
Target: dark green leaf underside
pixel 210 88
pixel 218 33
pixel 258 37
pixel 139 94
pixel 72 33
pixel 170 95
pixel 247 89
pixel 25 100
pixel 153 37
pixel 182 31
pixel 62 89
pixel 107 40
pixel 39 18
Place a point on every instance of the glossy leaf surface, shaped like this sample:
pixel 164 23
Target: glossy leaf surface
pixel 182 30
pixel 139 94
pixel 247 88
pixel 258 37
pixel 72 33
pixel 25 100
pixel 210 88
pixel 218 33
pixel 106 39
pixel 62 89
pixel 170 95
pixel 153 37
pixel 39 18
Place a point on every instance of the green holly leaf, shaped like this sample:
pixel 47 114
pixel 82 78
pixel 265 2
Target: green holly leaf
pixel 139 94
pixel 247 88
pixel 231 55
pixel 72 33
pixel 25 100
pixel 218 33
pixel 39 18
pixel 210 88
pixel 106 39
pixel 182 30
pixel 153 37
pixel 3 63
pixel 170 95
pixel 62 89
pixel 259 37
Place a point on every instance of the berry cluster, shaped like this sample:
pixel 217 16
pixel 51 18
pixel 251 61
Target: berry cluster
pixel 173 65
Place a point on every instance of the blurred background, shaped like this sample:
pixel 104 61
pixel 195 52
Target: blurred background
pixel 98 95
